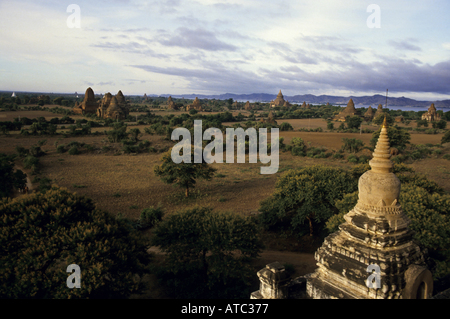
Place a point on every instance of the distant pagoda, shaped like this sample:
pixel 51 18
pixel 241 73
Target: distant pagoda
pixel 279 101
pixel 350 110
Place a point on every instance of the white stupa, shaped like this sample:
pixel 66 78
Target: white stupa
pixel 14 94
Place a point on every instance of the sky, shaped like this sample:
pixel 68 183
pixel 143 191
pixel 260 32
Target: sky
pixel 214 47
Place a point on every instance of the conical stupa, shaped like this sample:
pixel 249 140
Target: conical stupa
pixel 374 237
pixel 369 114
pixel 279 101
pixel 350 110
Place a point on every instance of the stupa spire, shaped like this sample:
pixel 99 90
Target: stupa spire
pixel 375 233
pixel 381 162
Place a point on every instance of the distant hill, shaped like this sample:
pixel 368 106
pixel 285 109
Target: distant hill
pixel 322 99
pixel 308 98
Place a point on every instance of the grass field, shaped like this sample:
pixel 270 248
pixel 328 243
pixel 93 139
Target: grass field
pixel 127 183
pixel 239 187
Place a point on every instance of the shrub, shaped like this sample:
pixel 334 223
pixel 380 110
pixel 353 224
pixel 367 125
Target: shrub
pixel 352 158
pixel 446 138
pixel 29 161
pixel 298 142
pixel 316 152
pixel 352 145
pixel 363 159
pixel 150 217
pixel 286 127
pixel 74 150
pixel 330 126
pixel 22 151
pixel 61 149
pixel 297 151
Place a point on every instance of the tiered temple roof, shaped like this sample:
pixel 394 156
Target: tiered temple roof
pixel 350 110
pixel 375 235
pixel 431 115
pixel 279 101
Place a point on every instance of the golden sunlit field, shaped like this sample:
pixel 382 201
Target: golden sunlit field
pixel 117 183
pixel 127 183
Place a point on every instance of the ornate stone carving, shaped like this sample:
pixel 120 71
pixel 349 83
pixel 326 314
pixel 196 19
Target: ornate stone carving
pixel 375 232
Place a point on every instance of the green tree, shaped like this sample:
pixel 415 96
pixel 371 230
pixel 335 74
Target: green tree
pixel 184 174
pixel 398 137
pixel 330 126
pixel 118 133
pixel 208 253
pixel 135 134
pixel 442 124
pixel 422 122
pixel 44 233
pixel 306 195
pixel 58 100
pixel 446 138
pixel 286 127
pixel 344 206
pixel 9 178
pixel 429 214
pixel 353 121
pixel 378 120
pixel 229 103
pixel 352 145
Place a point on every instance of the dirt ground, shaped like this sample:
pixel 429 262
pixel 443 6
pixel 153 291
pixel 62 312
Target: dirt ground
pixel 127 183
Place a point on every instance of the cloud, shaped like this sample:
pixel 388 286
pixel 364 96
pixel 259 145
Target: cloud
pixel 131 47
pixel 331 43
pixel 394 74
pixel 106 83
pixel 194 38
pixel 404 45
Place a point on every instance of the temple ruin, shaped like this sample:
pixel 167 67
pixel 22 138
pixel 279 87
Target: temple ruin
pixel 269 120
pixel 89 104
pixel 374 237
pixel 304 106
pixel 171 104
pixel 379 111
pixel 279 101
pixel 431 115
pixel 247 106
pixel 369 115
pixel 196 105
pixel 113 107
pixel 350 110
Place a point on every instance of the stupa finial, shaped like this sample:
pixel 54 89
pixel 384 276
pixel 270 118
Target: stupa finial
pixel 385 125
pixel 381 161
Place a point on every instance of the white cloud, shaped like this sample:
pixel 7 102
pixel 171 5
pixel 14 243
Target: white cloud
pixel 233 45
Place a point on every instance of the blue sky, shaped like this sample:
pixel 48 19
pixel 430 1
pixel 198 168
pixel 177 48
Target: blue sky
pixel 213 47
